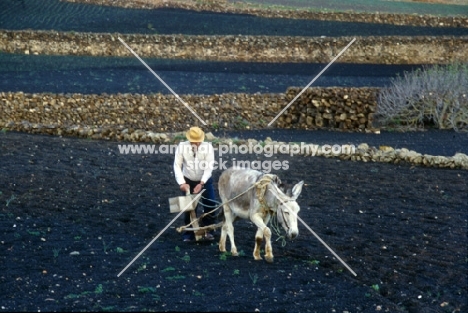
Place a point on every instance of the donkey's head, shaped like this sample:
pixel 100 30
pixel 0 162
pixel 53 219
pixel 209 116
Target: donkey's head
pixel 288 209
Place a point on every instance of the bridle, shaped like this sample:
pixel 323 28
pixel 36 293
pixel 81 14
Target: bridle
pixel 262 183
pixel 281 207
pixel 281 210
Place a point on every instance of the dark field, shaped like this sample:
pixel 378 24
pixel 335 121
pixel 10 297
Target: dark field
pixel 65 16
pixel 75 74
pixel 74 213
pixel 92 75
pixel 372 6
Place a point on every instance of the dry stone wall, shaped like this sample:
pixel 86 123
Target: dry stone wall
pixel 335 108
pixel 107 116
pixel 365 153
pixel 374 50
pixel 161 119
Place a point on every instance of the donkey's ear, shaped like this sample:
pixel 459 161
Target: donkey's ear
pixel 296 191
pixel 286 188
pixel 277 180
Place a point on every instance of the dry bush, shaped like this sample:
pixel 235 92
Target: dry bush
pixel 436 95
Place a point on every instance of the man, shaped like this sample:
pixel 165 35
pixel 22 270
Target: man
pixel 193 166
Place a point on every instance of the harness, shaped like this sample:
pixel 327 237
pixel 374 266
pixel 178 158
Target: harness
pixel 262 184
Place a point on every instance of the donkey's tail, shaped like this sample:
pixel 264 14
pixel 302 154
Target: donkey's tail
pixel 216 211
pixel 220 216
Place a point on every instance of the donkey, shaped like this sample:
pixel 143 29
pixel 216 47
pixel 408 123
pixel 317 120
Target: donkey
pixel 256 196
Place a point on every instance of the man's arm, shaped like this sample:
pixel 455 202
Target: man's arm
pixel 210 162
pixel 178 161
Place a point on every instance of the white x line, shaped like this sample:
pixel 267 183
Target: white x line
pixel 319 239
pixel 196 198
pixel 162 81
pixel 313 80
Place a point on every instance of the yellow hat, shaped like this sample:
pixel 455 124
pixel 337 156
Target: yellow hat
pixel 195 134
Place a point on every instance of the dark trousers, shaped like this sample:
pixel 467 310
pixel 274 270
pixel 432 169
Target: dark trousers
pixel 207 202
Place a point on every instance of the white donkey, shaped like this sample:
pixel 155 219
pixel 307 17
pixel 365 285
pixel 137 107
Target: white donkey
pixel 256 196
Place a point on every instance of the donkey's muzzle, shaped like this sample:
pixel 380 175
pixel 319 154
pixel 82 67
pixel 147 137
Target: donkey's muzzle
pixel 292 234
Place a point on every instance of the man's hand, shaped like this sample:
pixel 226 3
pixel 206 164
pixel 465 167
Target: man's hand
pixel 198 188
pixel 185 188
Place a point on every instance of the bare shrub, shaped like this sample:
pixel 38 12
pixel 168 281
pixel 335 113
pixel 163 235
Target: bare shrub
pixel 436 95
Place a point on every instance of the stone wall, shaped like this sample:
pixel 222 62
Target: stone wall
pixel 334 108
pixel 161 119
pixel 374 50
pixel 113 116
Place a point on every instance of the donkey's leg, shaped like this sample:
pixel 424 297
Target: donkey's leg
pixel 262 231
pixel 267 234
pixel 230 233
pixel 227 229
pixel 258 244
pixel 222 238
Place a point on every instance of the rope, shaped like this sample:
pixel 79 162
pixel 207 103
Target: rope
pixel 321 241
pixel 261 185
pixel 210 206
pixel 277 229
pixel 275 224
pixel 180 229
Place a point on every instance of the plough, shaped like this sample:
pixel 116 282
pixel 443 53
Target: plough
pixel 189 202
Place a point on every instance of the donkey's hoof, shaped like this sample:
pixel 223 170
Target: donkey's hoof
pixel 269 259
pixel 258 258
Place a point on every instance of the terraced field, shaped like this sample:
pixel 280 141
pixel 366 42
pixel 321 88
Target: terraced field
pixel 37 73
pixel 90 75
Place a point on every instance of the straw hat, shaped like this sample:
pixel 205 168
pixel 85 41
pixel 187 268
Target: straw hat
pixel 195 134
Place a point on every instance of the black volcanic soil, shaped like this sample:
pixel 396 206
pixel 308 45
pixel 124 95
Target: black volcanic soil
pixel 75 212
